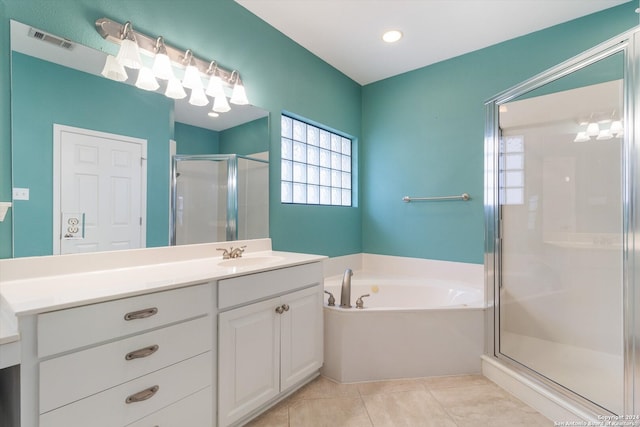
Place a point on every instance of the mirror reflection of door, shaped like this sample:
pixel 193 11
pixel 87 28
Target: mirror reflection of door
pixel 99 191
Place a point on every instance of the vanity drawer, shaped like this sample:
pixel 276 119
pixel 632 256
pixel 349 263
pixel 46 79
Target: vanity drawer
pixel 73 328
pixel 253 287
pixel 71 377
pixel 193 411
pixel 110 408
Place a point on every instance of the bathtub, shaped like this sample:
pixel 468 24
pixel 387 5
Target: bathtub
pixel 411 326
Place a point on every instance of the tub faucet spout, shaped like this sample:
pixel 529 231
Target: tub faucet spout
pixel 345 294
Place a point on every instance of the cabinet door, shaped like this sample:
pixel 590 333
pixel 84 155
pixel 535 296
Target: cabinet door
pixel 301 336
pixel 249 359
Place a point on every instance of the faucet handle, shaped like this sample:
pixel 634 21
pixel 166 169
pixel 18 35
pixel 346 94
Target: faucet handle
pixel 359 302
pixel 225 253
pixel 332 300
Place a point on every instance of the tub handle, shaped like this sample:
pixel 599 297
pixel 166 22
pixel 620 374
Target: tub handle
pixel 332 299
pixel 359 302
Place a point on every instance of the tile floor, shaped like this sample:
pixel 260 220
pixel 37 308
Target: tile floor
pixel 456 401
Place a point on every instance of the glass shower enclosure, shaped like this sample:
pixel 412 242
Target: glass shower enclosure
pixel 561 209
pixel 219 197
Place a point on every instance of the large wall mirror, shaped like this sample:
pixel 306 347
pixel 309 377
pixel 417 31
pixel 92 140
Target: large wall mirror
pixel 63 112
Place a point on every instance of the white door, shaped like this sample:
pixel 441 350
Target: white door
pixel 248 358
pixel 301 336
pixel 99 191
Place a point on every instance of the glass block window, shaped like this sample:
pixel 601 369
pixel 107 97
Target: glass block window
pixel 511 177
pixel 316 165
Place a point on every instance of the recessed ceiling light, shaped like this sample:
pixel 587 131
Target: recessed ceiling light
pixel 392 36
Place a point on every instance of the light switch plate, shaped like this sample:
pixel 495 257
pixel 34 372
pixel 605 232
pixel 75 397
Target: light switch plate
pixel 20 194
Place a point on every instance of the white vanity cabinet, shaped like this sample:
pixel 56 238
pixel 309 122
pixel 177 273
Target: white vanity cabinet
pixel 140 361
pixel 269 338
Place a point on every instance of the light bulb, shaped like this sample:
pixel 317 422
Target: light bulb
pixel 129 54
pixel 175 89
pixel 593 129
pixel 162 67
pixel 146 80
pixel 581 137
pixel 191 79
pixel 114 70
pixel 239 95
pixel 214 88
pixel 198 97
pixel 220 104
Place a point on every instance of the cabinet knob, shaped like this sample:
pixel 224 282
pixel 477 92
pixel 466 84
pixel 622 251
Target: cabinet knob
pixel 143 395
pixel 285 307
pixel 279 309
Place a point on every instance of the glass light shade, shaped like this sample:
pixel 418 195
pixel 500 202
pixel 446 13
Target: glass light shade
pixel 214 88
pixel 239 95
pixel 604 134
pixel 146 80
pixel 175 89
pixel 616 128
pixel 198 97
pixel 593 129
pixel 191 79
pixel 220 104
pixel 129 54
pixel 581 137
pixel 162 67
pixel 114 70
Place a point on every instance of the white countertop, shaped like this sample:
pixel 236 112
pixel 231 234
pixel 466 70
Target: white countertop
pixel 35 295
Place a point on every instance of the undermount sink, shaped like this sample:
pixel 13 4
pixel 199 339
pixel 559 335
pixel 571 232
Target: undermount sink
pixel 249 261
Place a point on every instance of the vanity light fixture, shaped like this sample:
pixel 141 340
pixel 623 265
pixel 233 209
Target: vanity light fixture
pixel 239 95
pixel 162 68
pixel 604 134
pixel 114 70
pixel 124 34
pixel 129 55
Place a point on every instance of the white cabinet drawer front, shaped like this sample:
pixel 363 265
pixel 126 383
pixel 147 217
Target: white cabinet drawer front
pixel 244 289
pixel 110 408
pixel 90 324
pixel 193 411
pixel 71 377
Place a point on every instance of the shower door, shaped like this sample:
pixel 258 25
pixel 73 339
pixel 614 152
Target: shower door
pixel 558 214
pixel 203 198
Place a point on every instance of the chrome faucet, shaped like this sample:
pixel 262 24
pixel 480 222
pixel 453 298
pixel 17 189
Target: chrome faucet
pixel 231 252
pixel 345 294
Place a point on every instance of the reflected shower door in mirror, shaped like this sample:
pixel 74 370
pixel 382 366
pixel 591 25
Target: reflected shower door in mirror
pixel 219 197
pixel 561 193
pixel 61 84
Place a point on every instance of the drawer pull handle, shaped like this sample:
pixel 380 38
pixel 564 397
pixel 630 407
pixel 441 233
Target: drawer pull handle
pixel 141 314
pixel 143 395
pixel 143 352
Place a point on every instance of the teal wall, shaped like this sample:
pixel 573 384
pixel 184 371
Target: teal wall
pixel 249 138
pixel 224 31
pixel 420 133
pixel 72 98
pixel 423 135
pixel 195 140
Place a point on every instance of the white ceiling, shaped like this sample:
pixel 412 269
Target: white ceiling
pixel 347 33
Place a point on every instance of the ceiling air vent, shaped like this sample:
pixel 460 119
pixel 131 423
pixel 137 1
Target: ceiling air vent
pixel 36 34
